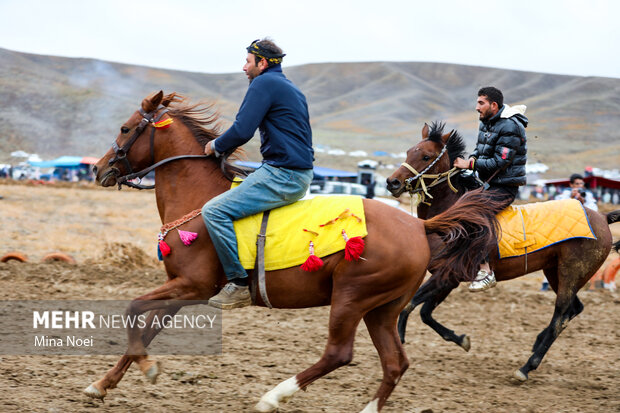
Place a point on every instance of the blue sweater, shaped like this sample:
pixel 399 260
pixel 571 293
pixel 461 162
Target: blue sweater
pixel 275 106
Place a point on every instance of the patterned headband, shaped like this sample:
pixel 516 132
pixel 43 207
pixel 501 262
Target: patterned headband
pixel 257 49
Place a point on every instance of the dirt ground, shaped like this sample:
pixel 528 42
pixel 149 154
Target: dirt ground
pixel 112 236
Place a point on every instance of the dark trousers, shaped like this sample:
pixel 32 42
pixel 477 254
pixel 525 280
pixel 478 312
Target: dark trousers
pixel 506 195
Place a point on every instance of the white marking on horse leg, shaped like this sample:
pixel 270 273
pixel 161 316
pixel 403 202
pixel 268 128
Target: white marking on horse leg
pixel 150 369
pixel 95 390
pixel 281 393
pixel 372 407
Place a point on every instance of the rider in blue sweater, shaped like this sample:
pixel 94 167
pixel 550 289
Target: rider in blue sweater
pixel 275 106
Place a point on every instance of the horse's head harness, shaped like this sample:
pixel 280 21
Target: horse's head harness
pixel 418 177
pixel 120 153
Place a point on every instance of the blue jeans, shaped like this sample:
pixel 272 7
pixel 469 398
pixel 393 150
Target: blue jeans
pixel 266 188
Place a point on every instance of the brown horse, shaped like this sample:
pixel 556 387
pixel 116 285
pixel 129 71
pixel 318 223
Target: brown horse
pixel 375 289
pixel 568 265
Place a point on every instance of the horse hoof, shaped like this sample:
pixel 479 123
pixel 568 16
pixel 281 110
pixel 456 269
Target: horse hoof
pixel 466 343
pixel 519 375
pixel 152 372
pixel 95 391
pixel 264 406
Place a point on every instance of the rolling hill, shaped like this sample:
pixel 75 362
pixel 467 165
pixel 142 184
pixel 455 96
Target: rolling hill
pixel 63 106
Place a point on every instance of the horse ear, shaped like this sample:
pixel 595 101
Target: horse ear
pixel 156 100
pixel 446 137
pixel 150 104
pixel 425 131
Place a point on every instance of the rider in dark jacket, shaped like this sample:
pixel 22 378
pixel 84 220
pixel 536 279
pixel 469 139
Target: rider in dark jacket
pixel 502 147
pixel 499 158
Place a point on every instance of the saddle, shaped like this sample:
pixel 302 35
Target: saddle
pixel 290 229
pixel 532 227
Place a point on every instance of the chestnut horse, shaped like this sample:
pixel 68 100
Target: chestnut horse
pixel 568 265
pixel 374 289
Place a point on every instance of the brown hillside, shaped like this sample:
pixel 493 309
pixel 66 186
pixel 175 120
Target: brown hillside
pixel 61 106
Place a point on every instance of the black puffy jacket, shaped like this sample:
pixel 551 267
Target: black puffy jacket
pixel 502 146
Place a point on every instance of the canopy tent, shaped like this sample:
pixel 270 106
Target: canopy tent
pixel 319 171
pixel 65 162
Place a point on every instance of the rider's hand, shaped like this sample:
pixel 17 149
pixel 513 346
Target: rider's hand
pixel 209 148
pixel 461 163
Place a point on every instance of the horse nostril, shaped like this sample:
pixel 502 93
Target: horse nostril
pixel 94 170
pixel 393 183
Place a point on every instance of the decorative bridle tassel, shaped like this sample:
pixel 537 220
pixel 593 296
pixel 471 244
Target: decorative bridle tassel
pixel 163 124
pixel 354 247
pixel 313 263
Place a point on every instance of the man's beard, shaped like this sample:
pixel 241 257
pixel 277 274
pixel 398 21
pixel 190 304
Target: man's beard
pixel 485 116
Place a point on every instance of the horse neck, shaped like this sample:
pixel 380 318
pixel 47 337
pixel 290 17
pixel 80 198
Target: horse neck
pixel 186 184
pixel 443 198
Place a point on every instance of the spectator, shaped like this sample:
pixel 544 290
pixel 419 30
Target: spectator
pixel 370 188
pixel 578 191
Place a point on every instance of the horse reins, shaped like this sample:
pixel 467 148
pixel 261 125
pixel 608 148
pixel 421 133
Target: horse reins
pixel 120 153
pixel 421 187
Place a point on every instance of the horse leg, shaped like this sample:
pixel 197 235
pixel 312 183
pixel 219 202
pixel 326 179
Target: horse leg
pixel 426 314
pixel 150 368
pixel 567 307
pixel 173 289
pixel 420 296
pixel 380 324
pixel 552 277
pixel 343 321
pixel 431 293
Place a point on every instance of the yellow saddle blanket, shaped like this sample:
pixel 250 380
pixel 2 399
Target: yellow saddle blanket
pixel 291 228
pixel 531 227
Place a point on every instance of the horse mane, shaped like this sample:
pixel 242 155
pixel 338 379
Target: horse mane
pixel 200 118
pixel 456 149
pixel 456 146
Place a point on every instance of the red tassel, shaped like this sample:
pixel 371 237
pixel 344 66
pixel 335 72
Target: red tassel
pixel 354 248
pixel 313 263
pixel 164 248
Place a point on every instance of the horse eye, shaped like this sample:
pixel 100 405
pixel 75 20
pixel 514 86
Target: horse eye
pixel 426 158
pixel 124 129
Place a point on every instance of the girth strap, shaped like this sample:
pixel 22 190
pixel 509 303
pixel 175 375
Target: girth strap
pixel 259 276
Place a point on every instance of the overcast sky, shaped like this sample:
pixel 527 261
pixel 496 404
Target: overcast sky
pixel 554 36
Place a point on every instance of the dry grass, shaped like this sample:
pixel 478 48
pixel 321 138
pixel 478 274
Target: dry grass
pixel 37 220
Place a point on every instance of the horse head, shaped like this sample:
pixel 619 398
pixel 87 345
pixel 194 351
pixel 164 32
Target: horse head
pixel 132 150
pixel 428 157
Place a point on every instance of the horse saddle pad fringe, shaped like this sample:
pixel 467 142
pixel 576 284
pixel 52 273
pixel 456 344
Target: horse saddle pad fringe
pixel 532 227
pixel 292 228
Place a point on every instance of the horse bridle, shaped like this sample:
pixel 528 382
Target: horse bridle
pixel 421 187
pixel 120 154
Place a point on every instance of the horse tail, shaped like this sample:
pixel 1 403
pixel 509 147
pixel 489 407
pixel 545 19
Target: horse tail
pixel 613 216
pixel 468 229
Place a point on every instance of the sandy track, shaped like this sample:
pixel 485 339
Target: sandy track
pixel 263 347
